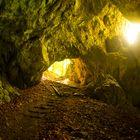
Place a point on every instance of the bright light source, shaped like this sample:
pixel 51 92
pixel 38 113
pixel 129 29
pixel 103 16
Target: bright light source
pixel 60 68
pixel 130 31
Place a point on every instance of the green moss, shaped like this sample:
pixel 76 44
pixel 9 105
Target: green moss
pixel 6 91
pixel 7 98
pixel 90 7
pixel 45 54
pixel 1 95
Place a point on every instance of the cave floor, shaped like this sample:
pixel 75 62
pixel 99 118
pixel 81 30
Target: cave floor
pixel 53 111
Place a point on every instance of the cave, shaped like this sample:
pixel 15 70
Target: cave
pixel 69 69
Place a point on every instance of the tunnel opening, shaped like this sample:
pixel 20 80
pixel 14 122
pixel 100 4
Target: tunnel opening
pixel 73 72
pixel 59 71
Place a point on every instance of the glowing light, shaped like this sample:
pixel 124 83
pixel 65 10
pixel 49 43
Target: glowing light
pixel 59 68
pixel 43 78
pixel 66 81
pixel 131 31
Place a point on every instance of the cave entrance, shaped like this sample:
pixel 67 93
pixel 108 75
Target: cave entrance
pixel 59 71
pixel 60 68
pixel 73 72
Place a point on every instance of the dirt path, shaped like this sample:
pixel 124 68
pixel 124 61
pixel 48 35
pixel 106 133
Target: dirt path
pixel 49 111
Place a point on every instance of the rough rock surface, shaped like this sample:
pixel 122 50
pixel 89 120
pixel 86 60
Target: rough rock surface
pixel 129 8
pixel 35 34
pixel 108 90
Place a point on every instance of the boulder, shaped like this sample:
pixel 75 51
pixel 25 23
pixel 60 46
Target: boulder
pixel 108 90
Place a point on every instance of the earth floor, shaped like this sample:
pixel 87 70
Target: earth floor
pixel 54 111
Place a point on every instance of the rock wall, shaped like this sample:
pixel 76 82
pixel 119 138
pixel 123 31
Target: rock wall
pixel 129 8
pixel 35 34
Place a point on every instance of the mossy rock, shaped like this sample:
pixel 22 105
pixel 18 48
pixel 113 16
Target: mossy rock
pixel 108 90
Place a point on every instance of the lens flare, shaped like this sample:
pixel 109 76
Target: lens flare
pixel 131 31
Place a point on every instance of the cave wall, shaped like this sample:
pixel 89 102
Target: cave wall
pixel 79 72
pixel 39 33
pixel 129 8
pixel 35 34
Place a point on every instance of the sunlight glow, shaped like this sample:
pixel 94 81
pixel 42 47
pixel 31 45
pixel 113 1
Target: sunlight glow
pixel 60 68
pixel 65 81
pixel 130 31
